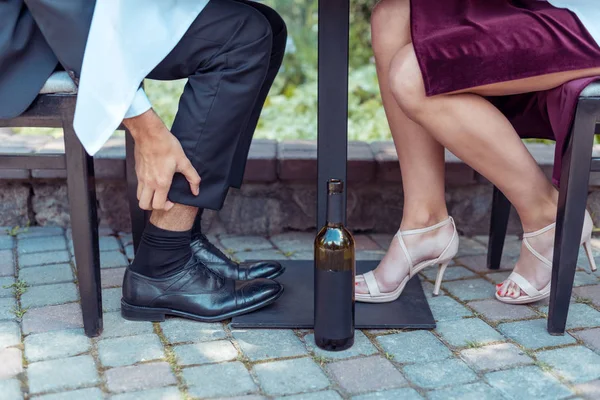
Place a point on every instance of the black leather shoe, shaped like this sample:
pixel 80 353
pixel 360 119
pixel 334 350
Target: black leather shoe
pixel 218 262
pixel 196 293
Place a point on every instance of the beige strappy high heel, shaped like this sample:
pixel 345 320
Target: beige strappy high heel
pixel 376 296
pixel 531 293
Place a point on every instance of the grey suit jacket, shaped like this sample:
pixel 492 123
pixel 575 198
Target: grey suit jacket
pixel 35 36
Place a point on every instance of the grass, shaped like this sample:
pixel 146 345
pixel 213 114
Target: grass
pixel 18 288
pixel 473 345
pixel 15 230
pixel 584 300
pixel 19 312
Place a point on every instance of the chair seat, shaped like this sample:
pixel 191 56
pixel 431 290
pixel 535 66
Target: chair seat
pixel 593 90
pixel 59 82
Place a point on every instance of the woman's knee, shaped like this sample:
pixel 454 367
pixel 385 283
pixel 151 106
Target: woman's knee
pixel 390 24
pixel 406 82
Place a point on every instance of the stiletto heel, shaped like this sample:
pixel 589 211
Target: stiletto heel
pixel 587 245
pixel 450 250
pixel 440 276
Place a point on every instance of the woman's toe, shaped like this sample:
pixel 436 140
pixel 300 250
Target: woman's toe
pixel 361 287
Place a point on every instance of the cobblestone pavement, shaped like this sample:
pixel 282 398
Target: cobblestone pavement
pixel 480 350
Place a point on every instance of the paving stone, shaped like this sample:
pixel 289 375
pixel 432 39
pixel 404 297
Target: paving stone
pixel 7 307
pixel 294 241
pixel 108 243
pixel 362 347
pixel 209 380
pixel 129 251
pixel 462 332
pixel 40 231
pixel 168 393
pixel 495 311
pixel 472 391
pixel 368 374
pixel 11 389
pixel 52 318
pixel 49 295
pixel 451 274
pixel 10 334
pixel 438 374
pixel 590 337
pixel 290 376
pixel 414 347
pixel 325 395
pixel 248 397
pixel 479 263
pixel 370 255
pixel 580 316
pixel 126 238
pixel 41 244
pixel 139 377
pixel 179 330
pixel 533 334
pixel 12 363
pixel 403 393
pixel 528 382
pixel 382 239
pixel 50 257
pixel 495 356
pixel 6 242
pixel 47 274
pixel 118 352
pixel 302 255
pixel 445 308
pixel 470 289
pixel 260 255
pixel 365 243
pixel 117 326
pixel 56 344
pixel 576 364
pixel 62 374
pixel 87 394
pixel 111 299
pixel 5 287
pixel 589 292
pixel 205 353
pixel 7 263
pixel 589 390
pixel 498 277
pixel 584 278
pixel 112 277
pixel 469 246
pixel 260 344
pixel 245 243
pixel 113 259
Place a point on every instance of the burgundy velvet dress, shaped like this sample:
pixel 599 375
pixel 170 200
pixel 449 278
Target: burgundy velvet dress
pixel 467 43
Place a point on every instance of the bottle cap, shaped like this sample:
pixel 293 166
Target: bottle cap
pixel 335 186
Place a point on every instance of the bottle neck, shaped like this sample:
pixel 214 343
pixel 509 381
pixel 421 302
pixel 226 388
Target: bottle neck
pixel 335 209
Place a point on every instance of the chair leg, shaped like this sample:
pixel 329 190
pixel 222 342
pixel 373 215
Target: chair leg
pixel 498 226
pixel 138 216
pixel 82 202
pixel 571 210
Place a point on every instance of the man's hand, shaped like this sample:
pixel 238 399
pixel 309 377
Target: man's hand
pixel 158 156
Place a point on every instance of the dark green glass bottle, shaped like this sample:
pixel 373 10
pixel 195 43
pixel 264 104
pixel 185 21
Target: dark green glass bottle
pixel 334 276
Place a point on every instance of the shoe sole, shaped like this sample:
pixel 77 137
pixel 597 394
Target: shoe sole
pixel 154 314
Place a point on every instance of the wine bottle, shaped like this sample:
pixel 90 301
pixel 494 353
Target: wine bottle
pixel 334 276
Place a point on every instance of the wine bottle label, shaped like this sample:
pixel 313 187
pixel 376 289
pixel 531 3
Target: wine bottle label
pixel 334 304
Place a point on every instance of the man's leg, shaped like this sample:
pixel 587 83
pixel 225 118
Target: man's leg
pixel 224 55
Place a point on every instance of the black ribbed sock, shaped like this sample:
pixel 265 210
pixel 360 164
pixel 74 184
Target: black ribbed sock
pixel 197 228
pixel 161 252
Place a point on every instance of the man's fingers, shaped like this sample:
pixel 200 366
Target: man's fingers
pixel 140 188
pixel 146 198
pixel 188 170
pixel 160 199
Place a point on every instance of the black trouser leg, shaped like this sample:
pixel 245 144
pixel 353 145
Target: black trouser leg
pixel 225 56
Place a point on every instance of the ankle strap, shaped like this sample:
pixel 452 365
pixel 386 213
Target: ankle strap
pixel 450 220
pixel 539 232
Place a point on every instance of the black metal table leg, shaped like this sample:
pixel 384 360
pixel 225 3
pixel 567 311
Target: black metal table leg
pixel 137 215
pixel 334 33
pixel 84 224
pixel 498 227
pixel 571 209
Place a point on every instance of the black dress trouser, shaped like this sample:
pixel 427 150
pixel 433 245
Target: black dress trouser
pixel 230 55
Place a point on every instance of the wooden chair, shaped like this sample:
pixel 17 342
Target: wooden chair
pixel 54 108
pixel 576 167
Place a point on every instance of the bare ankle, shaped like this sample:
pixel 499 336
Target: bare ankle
pixel 422 218
pixel 540 214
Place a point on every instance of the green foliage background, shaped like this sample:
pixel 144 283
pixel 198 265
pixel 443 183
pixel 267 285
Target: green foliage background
pixel 291 109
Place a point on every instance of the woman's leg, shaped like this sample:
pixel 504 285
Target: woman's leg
pixel 421 157
pixel 478 133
